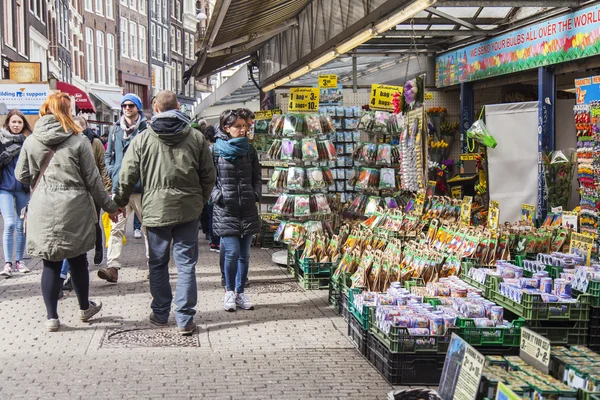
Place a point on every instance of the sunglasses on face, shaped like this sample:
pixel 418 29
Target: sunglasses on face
pixel 128 106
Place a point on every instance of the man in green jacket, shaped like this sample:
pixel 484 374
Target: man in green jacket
pixel 177 174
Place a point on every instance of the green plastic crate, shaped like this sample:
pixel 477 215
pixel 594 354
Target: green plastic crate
pixel 587 395
pixel 562 333
pixel 594 291
pixel 475 336
pixel 364 317
pixel 413 282
pixel 485 288
pixel 313 282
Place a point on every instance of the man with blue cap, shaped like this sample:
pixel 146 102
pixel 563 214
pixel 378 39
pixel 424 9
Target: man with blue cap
pixel 131 123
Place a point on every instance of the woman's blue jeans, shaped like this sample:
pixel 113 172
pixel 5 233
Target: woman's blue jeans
pixel 11 204
pixel 237 261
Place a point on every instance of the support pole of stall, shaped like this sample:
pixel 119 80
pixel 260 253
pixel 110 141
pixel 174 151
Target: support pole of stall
pixel 467 105
pixel 546 110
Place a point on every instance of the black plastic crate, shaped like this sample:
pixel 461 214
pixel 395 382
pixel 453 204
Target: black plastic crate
pixel 344 311
pixel 405 369
pixel 358 335
pixel 334 296
pixel 594 329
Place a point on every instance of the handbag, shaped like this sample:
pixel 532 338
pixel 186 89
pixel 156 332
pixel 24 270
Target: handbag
pixel 42 171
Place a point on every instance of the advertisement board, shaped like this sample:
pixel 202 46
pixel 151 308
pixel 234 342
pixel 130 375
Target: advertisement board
pixel 26 97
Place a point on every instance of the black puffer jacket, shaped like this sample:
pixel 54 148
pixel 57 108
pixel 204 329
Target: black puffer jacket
pixel 237 189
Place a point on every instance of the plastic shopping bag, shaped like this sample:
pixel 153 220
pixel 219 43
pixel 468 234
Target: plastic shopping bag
pixel 107 225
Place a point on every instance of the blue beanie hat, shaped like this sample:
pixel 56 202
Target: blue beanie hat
pixel 134 99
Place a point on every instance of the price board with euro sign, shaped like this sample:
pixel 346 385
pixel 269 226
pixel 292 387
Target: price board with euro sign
pixel 582 245
pixel 535 350
pixel 328 81
pixel 304 100
pixel 382 95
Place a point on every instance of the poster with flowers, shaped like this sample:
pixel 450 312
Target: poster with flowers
pixel 564 38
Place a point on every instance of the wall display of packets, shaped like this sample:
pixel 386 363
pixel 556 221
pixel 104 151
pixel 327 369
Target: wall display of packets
pixel 299 178
pixel 411 146
pixel 382 122
pixel 304 205
pixel 292 125
pixel 294 233
pixel 307 149
pixel 366 206
pixel 375 179
pixel 338 111
pixel 320 248
pixel 377 154
pixel 577 366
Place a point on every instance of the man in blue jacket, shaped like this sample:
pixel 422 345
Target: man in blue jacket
pixel 131 124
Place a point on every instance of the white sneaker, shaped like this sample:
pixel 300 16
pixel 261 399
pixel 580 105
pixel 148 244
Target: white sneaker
pixel 52 324
pixel 95 307
pixel 229 301
pixel 21 267
pixel 243 302
pixel 137 234
pixel 7 271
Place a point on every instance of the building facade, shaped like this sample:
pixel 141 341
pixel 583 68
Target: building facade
pixel 160 51
pixel 134 71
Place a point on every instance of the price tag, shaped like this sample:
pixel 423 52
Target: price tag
pixel 582 245
pixel 328 81
pixel 465 210
pixel 504 393
pixel 263 115
pixel 527 213
pixel 428 96
pixel 493 215
pixel 420 203
pixel 569 220
pixel 456 192
pixel 467 385
pixel 276 111
pixel 304 100
pixel 382 95
pixel 535 350
pixel 469 157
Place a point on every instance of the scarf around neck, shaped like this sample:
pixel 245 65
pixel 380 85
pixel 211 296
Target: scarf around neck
pixel 127 129
pixel 233 149
pixel 12 146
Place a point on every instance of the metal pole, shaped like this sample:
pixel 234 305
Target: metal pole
pixel 546 127
pixel 467 105
pixel 354 73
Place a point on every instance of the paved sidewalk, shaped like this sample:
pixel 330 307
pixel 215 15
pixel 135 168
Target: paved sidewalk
pixel 291 347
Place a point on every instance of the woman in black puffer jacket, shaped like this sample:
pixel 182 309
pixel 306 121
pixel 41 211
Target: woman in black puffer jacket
pixel 237 189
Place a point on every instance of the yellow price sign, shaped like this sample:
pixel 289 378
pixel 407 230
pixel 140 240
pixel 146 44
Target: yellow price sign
pixel 469 157
pixel 304 100
pixel 527 213
pixel 382 95
pixel 428 96
pixel 582 245
pixel 465 210
pixel 456 192
pixel 493 215
pixel 263 115
pixel 328 81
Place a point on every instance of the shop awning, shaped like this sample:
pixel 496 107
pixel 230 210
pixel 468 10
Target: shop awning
pixel 82 100
pixel 111 99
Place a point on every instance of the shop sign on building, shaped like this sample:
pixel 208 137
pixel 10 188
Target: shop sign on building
pixel 26 97
pixel 565 38
pixel 25 72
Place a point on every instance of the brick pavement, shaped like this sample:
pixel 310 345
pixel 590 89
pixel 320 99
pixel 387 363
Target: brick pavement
pixel 291 347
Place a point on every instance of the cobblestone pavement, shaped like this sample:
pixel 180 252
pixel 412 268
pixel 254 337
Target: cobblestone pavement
pixel 291 347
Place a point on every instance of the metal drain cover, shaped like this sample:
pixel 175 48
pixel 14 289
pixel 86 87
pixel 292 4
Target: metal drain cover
pixel 275 286
pixel 147 337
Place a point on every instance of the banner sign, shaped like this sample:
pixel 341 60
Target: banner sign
pixel 26 97
pixel 564 38
pixel 304 100
pixel 462 371
pixel 382 95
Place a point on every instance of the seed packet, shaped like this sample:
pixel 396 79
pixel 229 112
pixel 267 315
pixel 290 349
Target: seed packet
pixel 275 150
pixel 384 154
pixel 327 176
pixel 387 179
pixel 327 125
pixel 309 149
pixel 348 137
pixel 349 112
pixel 322 204
pixel 295 179
pixel 293 124
pixel 274 179
pixel 372 205
pixel 339 111
pixel 313 124
pixel 391 202
pixel 287 149
pixel 381 121
pixel 276 125
pixel 315 178
pixel 349 148
pixel 302 206
pixel 278 207
pixel 367 121
pixel 356 136
pixel 278 236
pixel 395 124
pixel 331 153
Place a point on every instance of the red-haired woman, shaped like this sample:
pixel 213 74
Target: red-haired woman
pixel 59 165
pixel 13 195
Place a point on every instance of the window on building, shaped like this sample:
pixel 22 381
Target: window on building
pixel 21 45
pixel 37 53
pixel 153 8
pixel 143 7
pixel 173 38
pixel 143 46
pixel 172 12
pixel 8 24
pixel 124 2
pixel 159 10
pixel 38 8
pixel 89 49
pixel 168 77
pixel 110 9
pixel 186 45
pixel 173 77
pixel 159 48
pixel 133 5
pixel 192 45
pixel 165 40
pixel 153 51
pixel 179 79
pixel 110 58
pixel 88 6
pixel 178 10
pixel 165 12
pixel 124 37
pixel 133 43
pixel 100 57
pixel 99 7
pixel 178 41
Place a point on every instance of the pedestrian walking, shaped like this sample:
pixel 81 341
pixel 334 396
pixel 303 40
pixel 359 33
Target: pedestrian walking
pixel 235 215
pixel 59 165
pixel 131 124
pixel 174 164
pixel 14 196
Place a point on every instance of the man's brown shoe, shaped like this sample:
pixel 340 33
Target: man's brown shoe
pixel 110 274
